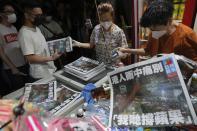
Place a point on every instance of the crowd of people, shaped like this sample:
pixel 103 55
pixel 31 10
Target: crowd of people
pixel 25 56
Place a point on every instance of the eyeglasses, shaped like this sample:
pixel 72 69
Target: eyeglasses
pixel 36 15
pixel 9 12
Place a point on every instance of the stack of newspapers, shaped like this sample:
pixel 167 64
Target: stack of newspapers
pixel 54 99
pixel 85 68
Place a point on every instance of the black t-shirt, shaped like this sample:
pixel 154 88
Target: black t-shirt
pixel 1 64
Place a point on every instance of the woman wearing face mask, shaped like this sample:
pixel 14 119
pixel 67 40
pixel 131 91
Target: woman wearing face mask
pixel 166 36
pixel 10 47
pixel 106 36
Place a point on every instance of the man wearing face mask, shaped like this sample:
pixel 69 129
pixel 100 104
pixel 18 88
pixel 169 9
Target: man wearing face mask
pixel 50 28
pixel 106 36
pixel 166 36
pixel 8 41
pixel 33 43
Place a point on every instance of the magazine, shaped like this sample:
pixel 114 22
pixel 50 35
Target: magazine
pixel 65 97
pixel 60 45
pixel 38 92
pixel 151 93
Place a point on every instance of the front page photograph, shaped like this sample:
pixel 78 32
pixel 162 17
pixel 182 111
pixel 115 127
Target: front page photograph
pixel 150 94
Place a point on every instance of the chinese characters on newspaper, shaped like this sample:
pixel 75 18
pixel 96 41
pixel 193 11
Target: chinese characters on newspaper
pixel 150 93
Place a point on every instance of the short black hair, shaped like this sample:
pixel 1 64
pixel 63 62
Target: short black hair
pixel 31 4
pixel 5 3
pixel 60 2
pixel 157 13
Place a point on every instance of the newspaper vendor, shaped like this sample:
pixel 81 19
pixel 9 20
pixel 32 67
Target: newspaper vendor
pixel 166 35
pixel 106 36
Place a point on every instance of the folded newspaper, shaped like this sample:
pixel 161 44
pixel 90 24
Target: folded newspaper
pixel 151 93
pixel 40 92
pixel 60 45
pixel 65 97
pixel 85 68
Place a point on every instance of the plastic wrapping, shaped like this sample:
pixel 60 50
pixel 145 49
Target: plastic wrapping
pixel 73 124
pixel 187 66
pixel 11 112
pixel 100 110
pixel 86 93
pixel 31 122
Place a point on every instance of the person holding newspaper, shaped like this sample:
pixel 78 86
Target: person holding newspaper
pixel 106 36
pixel 33 43
pixel 166 35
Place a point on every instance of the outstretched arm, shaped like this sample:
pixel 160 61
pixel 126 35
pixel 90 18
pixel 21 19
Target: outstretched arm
pixel 133 51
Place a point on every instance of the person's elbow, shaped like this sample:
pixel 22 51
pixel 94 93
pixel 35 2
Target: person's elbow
pixel 31 59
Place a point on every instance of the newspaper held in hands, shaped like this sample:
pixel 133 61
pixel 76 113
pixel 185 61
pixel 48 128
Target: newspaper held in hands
pixel 60 45
pixel 151 93
pixel 38 92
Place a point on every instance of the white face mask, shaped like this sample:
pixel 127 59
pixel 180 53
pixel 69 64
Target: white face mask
pixel 158 34
pixel 12 18
pixel 106 25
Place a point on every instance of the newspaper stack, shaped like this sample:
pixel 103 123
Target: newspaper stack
pixel 85 68
pixel 52 97
pixel 40 92
pixel 65 97
pixel 60 45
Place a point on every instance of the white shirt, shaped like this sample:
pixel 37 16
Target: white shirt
pixel 33 43
pixel 9 41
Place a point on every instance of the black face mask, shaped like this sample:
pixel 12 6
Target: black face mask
pixel 38 20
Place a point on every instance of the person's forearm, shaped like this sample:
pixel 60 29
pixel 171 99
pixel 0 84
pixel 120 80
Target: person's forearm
pixel 138 51
pixel 36 59
pixel 7 61
pixel 84 45
pixel 135 51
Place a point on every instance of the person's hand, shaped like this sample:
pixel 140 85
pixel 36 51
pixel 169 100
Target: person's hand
pixel 76 43
pixel 122 55
pixel 56 55
pixel 123 50
pixel 15 71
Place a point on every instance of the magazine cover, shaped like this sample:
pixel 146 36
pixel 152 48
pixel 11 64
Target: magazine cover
pixel 65 97
pixel 150 94
pixel 84 65
pixel 38 93
pixel 60 45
